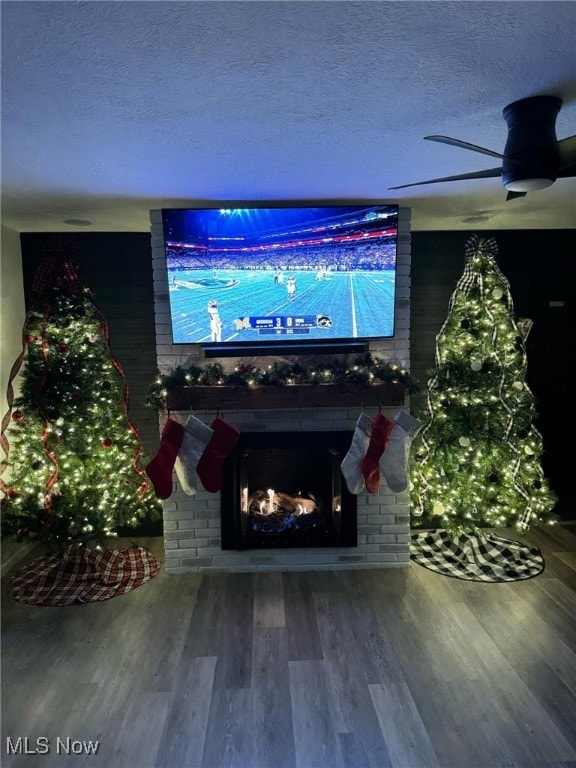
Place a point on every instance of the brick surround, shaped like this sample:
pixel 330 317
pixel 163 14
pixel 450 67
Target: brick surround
pixel 192 524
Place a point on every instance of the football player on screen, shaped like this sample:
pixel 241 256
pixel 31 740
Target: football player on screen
pixel 215 321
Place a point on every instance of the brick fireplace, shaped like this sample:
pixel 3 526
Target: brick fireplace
pixel 193 534
pixel 192 525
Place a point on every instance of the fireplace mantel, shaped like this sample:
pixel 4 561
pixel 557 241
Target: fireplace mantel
pixel 386 394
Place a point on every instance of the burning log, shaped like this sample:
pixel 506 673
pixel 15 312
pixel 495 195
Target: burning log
pixel 273 502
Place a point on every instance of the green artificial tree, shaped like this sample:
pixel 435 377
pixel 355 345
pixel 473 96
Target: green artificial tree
pixel 70 447
pixel 478 463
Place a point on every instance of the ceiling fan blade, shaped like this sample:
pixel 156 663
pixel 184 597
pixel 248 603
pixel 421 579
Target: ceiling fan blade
pixel 489 173
pixel 512 195
pixel 567 152
pixel 464 145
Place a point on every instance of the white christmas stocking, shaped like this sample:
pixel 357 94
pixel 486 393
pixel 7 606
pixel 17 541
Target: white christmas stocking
pixel 351 463
pixel 394 461
pixel 195 439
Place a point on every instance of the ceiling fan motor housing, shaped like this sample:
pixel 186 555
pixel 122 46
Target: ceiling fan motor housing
pixel 531 143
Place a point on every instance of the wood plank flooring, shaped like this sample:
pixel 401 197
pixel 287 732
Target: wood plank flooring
pixel 390 668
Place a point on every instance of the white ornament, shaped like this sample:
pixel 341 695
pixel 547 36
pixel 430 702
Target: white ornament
pixel 518 385
pixel 438 508
pixel 476 365
pixel 497 293
pixel 464 442
pixel 528 450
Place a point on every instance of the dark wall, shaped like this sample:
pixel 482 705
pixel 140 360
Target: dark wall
pixel 541 268
pixel 540 265
pixel 117 268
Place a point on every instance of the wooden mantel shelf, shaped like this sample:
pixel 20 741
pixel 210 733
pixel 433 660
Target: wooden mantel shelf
pixel 230 398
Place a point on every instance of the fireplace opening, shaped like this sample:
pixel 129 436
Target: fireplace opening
pixel 285 489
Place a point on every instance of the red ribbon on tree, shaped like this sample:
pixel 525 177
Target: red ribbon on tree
pixel 58 271
pixel 52 457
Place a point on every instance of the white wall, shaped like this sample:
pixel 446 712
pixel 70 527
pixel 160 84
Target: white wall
pixel 12 317
pixel 12 308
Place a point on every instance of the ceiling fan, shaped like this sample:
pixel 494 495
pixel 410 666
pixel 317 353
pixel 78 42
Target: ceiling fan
pixel 533 157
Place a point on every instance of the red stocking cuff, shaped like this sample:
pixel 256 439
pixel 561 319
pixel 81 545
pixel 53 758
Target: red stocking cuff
pixel 379 440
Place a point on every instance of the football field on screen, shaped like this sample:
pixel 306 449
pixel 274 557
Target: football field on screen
pixel 359 304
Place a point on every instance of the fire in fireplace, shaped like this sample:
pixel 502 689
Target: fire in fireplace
pixel 285 489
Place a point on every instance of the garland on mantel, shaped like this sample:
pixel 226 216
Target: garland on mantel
pixel 366 370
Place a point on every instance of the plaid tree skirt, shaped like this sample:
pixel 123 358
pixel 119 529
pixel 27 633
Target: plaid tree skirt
pixel 83 576
pixel 481 557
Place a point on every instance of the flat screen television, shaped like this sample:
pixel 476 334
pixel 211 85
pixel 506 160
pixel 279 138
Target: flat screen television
pixel 268 280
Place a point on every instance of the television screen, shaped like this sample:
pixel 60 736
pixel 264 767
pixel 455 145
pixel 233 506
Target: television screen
pixel 275 275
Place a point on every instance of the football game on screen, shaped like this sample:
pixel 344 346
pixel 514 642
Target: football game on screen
pixel 275 274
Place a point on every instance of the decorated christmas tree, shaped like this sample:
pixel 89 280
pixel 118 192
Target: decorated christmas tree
pixel 71 451
pixel 478 463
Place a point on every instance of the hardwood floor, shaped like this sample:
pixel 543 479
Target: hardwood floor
pixel 407 669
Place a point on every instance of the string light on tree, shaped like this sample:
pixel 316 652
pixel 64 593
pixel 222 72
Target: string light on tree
pixel 478 463
pixel 69 444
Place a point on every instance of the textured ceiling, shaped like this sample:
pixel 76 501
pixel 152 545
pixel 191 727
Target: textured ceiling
pixel 112 108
